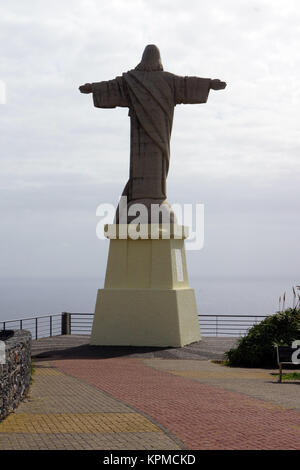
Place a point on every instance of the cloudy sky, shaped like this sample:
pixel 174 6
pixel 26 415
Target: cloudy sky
pixel 238 154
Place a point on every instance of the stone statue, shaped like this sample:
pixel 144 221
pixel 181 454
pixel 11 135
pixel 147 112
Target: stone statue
pixel 151 95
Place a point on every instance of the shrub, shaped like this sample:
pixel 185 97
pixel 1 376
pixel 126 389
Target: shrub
pixel 257 348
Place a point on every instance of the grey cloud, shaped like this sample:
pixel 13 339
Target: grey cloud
pixel 238 154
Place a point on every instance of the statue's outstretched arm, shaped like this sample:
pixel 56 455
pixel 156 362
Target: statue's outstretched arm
pixel 86 88
pixel 216 84
pixel 108 93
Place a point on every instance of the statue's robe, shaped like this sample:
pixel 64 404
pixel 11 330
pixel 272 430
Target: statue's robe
pixel 151 98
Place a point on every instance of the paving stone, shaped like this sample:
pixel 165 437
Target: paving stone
pixel 258 383
pixel 86 441
pixel 76 423
pixel 199 414
pixel 150 398
pixel 63 412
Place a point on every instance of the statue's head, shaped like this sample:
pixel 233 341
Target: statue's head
pixel 151 61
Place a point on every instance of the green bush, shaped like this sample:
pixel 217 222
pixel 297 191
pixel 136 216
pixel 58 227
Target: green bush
pixel 257 348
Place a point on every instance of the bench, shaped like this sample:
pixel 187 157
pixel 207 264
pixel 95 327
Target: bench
pixel 284 356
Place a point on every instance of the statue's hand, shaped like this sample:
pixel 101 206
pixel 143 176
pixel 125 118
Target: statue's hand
pixel 217 84
pixel 87 88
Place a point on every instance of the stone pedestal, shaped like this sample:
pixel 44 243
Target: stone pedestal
pixel 146 300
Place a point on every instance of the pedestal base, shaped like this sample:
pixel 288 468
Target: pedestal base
pixel 145 317
pixel 146 300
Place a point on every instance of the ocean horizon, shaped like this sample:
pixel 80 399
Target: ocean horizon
pixel 21 298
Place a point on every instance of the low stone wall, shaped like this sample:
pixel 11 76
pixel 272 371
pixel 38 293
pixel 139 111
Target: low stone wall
pixel 15 373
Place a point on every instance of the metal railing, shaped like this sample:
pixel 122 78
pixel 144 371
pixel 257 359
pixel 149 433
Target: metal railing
pixel 81 323
pixel 40 327
pixel 67 323
pixel 228 325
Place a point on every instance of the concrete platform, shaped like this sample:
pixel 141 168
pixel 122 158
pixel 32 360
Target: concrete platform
pixel 78 346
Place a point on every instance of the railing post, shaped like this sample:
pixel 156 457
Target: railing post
pixel 36 328
pixel 50 325
pixel 65 323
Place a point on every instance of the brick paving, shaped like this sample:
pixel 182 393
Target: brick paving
pixel 86 441
pixel 201 415
pixel 63 423
pixel 108 398
pixel 62 412
pixel 258 383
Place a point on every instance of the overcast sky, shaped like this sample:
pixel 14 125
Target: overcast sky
pixel 238 154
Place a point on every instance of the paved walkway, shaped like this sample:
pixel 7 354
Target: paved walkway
pixel 64 412
pixel 110 398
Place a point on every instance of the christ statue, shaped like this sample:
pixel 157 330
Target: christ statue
pixel 151 95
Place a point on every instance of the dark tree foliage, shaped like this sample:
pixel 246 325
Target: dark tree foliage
pixel 257 348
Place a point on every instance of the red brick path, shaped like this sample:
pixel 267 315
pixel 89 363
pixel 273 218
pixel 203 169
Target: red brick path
pixel 202 416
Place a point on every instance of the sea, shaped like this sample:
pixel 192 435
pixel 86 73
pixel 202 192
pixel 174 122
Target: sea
pixel 21 298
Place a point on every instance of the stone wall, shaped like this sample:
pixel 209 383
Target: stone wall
pixel 15 373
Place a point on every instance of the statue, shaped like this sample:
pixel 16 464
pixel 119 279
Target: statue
pixel 151 95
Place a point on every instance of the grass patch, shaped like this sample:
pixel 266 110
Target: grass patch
pixel 221 363
pixel 290 376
